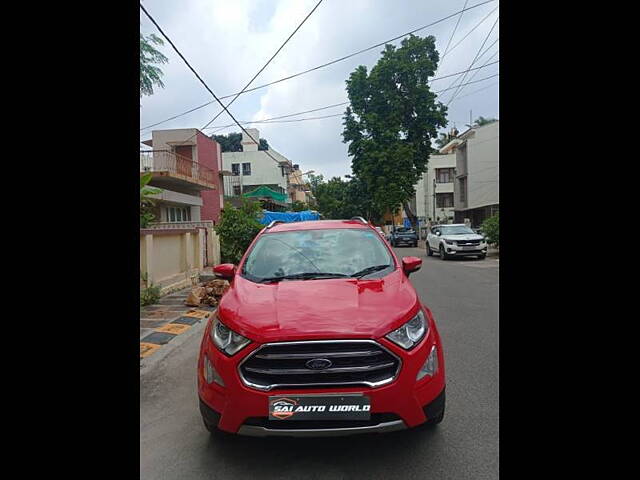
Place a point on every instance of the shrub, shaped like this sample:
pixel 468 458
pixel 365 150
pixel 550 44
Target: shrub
pixel 491 229
pixel 237 229
pixel 150 294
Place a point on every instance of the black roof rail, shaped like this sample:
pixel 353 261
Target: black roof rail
pixel 360 219
pixel 273 223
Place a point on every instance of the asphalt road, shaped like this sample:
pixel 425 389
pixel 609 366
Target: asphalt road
pixel 462 294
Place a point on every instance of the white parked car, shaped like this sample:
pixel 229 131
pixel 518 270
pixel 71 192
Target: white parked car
pixel 455 240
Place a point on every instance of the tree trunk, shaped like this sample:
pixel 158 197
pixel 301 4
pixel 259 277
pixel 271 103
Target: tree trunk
pixel 412 218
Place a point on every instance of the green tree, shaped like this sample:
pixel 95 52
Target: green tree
pixel 299 206
pixel 237 229
pixel 392 117
pixel 339 199
pixel 150 74
pixel 146 202
pixel 233 142
pixel 480 121
pixel 491 229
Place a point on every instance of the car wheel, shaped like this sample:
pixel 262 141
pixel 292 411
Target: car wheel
pixel 415 245
pixel 443 255
pixel 483 256
pixel 429 251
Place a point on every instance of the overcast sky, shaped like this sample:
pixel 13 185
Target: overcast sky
pixel 228 41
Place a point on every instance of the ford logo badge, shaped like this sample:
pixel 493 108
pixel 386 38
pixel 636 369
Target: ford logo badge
pixel 318 363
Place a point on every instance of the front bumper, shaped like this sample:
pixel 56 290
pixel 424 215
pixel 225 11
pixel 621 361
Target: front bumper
pixel 403 403
pixel 405 241
pixel 460 251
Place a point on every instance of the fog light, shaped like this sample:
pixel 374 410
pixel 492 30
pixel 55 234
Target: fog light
pixel 430 367
pixel 210 373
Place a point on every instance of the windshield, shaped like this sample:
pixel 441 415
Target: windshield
pixel 456 230
pixel 404 230
pixel 311 254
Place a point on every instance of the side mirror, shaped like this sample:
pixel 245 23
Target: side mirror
pixel 225 270
pixel 411 264
pixel 438 233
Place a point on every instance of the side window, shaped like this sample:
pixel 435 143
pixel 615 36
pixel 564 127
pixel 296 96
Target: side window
pixel 246 169
pixel 235 168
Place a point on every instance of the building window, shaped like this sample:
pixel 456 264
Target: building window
pixel 444 200
pixel 236 190
pixel 463 190
pixel 177 214
pixel 444 175
pixel 235 168
pixel 246 169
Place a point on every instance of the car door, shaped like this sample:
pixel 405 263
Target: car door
pixel 436 239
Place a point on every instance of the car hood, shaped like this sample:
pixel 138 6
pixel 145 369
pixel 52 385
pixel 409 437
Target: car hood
pixel 318 309
pixel 466 236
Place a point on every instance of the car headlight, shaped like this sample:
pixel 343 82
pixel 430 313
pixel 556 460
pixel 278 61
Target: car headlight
pixel 409 334
pixel 430 367
pixel 451 242
pixel 226 339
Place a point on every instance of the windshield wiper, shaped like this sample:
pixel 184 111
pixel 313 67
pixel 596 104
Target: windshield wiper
pixel 368 270
pixel 303 276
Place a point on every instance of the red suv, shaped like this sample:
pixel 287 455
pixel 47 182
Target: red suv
pixel 320 333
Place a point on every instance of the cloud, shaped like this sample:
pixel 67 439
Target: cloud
pixel 228 42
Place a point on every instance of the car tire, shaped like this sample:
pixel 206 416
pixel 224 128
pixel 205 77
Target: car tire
pixel 415 245
pixel 483 256
pixel 429 251
pixel 443 254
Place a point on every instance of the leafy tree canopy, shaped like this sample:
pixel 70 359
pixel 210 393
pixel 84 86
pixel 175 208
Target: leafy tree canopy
pixel 150 74
pixel 237 229
pixel 392 117
pixel 340 199
pixel 233 142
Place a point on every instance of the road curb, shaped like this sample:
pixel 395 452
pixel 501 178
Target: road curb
pixel 161 352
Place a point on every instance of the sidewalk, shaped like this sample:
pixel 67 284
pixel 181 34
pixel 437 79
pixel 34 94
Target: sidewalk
pixel 162 322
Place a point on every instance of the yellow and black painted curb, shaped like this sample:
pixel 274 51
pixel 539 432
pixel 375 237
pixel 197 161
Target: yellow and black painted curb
pixel 163 335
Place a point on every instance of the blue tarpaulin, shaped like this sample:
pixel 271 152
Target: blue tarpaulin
pixel 289 217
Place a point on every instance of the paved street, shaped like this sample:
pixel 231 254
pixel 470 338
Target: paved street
pixel 463 295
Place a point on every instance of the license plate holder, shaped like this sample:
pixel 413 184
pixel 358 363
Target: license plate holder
pixel 346 406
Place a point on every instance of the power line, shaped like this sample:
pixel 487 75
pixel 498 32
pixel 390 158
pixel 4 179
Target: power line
pixel 202 81
pixel 479 90
pixel 472 30
pixel 475 73
pixel 271 120
pixel 331 62
pixel 446 50
pixel 475 58
pixel 265 65
pixel 221 127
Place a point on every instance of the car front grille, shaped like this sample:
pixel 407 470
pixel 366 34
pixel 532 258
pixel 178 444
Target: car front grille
pixel 468 242
pixel 353 362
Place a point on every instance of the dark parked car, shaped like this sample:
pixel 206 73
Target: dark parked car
pixel 403 236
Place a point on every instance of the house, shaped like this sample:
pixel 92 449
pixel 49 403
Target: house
pixel 299 189
pixel 477 186
pixel 256 174
pixel 186 164
pixel 434 198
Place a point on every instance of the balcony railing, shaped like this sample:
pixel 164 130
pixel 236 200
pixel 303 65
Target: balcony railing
pixel 166 161
pixel 181 225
